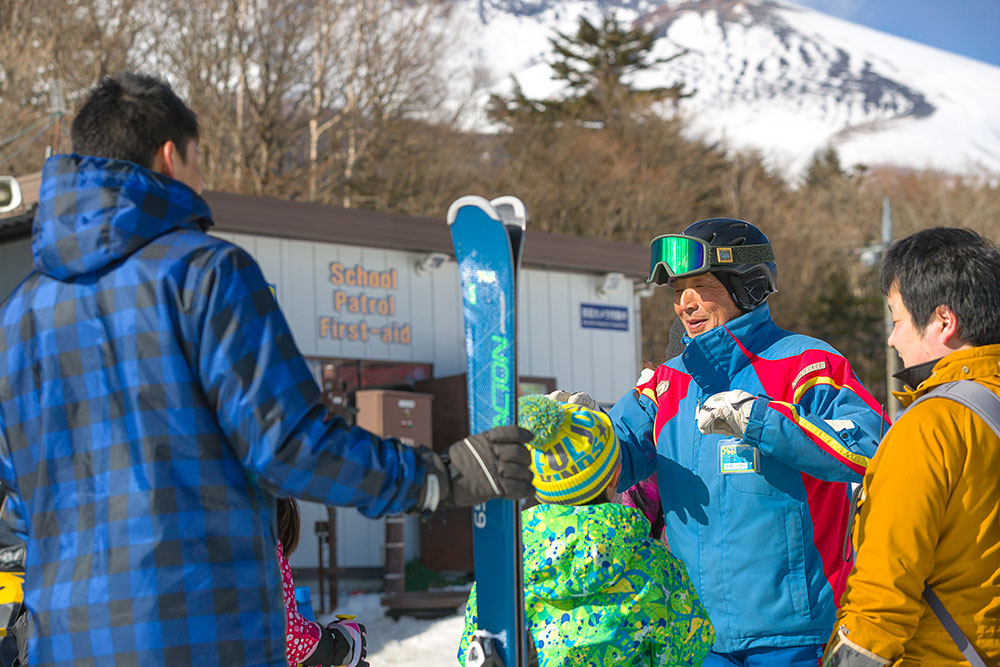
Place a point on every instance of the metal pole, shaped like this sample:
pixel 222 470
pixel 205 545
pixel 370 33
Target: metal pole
pixel 891 358
pixel 56 131
pixel 57 109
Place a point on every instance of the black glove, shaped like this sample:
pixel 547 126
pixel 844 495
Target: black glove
pixel 492 464
pixel 342 642
pixel 350 643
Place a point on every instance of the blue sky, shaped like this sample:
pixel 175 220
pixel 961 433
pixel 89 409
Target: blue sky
pixel 968 27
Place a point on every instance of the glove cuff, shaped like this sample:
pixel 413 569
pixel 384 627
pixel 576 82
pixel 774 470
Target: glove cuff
pixel 754 433
pixel 846 653
pixel 436 488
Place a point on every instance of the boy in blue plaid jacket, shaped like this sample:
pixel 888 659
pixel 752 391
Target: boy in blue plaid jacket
pixel 153 405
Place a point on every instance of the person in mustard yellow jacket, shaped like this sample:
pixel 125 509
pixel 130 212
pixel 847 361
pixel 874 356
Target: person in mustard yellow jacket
pixel 930 508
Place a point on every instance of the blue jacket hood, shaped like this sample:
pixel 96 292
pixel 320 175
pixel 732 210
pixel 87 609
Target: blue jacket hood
pixel 95 211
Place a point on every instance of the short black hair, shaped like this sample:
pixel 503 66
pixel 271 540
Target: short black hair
pixel 129 116
pixel 952 267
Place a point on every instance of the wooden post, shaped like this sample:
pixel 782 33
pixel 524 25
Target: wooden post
pixel 395 562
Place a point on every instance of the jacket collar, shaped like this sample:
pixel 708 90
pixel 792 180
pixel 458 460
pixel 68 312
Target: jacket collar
pixel 95 211
pixel 912 376
pixel 715 356
pixel 971 364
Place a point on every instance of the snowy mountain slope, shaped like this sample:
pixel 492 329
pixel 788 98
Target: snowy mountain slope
pixel 775 76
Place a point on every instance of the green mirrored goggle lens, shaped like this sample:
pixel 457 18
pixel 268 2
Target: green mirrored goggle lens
pixel 678 254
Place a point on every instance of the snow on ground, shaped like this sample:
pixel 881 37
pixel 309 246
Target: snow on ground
pixel 407 642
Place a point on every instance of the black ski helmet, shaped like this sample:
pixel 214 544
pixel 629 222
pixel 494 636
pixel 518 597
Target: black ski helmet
pixel 748 284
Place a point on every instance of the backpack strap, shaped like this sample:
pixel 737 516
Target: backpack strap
pixel 982 401
pixel 977 397
pixel 963 643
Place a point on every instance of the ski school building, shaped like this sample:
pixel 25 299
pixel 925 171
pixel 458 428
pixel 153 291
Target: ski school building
pixel 373 302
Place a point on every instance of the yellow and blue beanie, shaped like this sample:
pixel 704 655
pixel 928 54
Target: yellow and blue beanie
pixel 574 452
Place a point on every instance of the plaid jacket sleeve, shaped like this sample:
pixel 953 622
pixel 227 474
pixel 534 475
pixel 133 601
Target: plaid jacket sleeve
pixel 267 402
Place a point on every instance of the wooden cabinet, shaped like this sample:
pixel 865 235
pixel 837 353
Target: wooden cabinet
pixel 446 538
pixel 406 416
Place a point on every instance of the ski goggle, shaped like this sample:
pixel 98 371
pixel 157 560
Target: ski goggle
pixel 678 256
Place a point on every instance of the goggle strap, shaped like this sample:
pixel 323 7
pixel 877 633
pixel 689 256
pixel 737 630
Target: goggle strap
pixel 740 254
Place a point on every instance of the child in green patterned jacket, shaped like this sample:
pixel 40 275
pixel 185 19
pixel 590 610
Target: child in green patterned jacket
pixel 598 591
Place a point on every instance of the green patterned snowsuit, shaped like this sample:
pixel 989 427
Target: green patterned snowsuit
pixel 599 592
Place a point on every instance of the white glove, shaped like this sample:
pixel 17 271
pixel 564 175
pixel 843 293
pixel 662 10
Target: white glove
pixel 726 413
pixel 579 398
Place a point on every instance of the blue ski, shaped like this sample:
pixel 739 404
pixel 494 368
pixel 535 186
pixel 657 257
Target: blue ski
pixel 487 237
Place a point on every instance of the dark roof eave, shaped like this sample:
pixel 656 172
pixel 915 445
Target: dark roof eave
pixel 306 221
pixel 17 226
pixel 394 231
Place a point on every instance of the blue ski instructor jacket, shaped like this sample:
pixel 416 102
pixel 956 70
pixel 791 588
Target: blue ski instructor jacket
pixel 152 405
pixel 759 523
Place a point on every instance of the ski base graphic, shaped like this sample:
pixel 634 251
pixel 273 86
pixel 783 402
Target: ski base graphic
pixel 487 236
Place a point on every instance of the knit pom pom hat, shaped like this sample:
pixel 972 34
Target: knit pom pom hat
pixel 574 452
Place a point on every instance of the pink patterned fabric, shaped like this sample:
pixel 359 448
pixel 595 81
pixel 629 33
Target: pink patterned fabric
pixel 645 496
pixel 301 635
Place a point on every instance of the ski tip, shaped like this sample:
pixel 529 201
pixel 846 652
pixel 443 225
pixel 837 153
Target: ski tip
pixel 511 210
pixel 471 200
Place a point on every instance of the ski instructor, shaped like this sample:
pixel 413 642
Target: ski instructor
pixel 153 404
pixel 754 433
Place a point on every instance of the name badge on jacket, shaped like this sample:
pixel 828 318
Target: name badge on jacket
pixel 736 457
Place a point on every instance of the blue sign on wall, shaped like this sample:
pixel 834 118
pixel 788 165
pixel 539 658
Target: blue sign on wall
pixel 601 316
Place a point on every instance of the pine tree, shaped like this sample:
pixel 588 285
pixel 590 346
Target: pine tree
pixel 599 64
pixel 824 169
